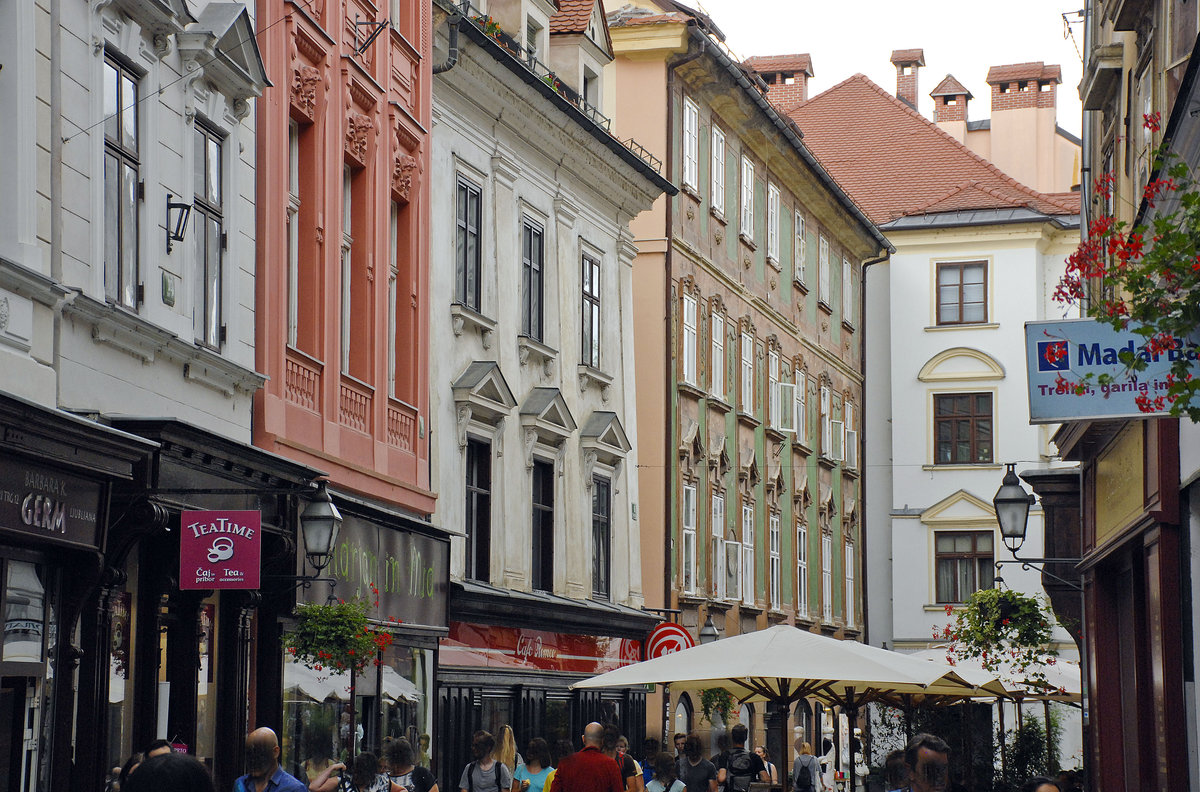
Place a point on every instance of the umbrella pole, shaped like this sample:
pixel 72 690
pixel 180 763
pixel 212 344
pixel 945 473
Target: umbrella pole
pixel 1049 741
pixel 777 732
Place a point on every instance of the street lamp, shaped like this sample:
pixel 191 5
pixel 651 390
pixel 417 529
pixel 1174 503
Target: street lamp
pixel 709 632
pixel 320 522
pixel 1012 504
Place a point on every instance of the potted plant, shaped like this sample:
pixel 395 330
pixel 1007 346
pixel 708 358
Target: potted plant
pixel 719 701
pixel 1000 626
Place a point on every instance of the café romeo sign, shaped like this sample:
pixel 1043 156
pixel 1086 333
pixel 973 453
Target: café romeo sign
pixel 220 549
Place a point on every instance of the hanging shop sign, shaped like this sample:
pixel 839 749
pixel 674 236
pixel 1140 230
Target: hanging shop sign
pixel 668 638
pixel 220 549
pixel 1059 354
pixel 516 648
pixel 47 504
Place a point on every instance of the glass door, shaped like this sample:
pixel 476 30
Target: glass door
pixel 19 729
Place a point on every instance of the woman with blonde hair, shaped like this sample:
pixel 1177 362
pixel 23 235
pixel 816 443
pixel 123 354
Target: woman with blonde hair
pixel 806 770
pixel 506 749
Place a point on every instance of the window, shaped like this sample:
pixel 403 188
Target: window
pixel 122 183
pixel 801 569
pixel 799 254
pixel 962 293
pixel 827 577
pixel 773 224
pixel 393 294
pixel 774 409
pixel 468 256
pixel 591 88
pixel 850 445
pixel 962 428
pixel 533 38
pixel 601 538
pixel 776 563
pixel 532 261
pixel 849 599
pixel 799 396
pixel 543 526
pixel 848 293
pixel 293 235
pixel 347 265
pixel 691 144
pixel 689 339
pixel 963 561
pixel 717 587
pixel 718 170
pixel 689 538
pixel 837 437
pixel 207 230
pixel 747 199
pixel 823 271
pixel 747 373
pixel 591 312
pixel 479 510
pixel 826 423
pixel 718 355
pixel 748 553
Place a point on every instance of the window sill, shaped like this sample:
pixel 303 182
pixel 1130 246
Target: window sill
pixel 747 241
pixel 935 608
pixel 773 262
pixel 719 404
pixel 695 598
pixel 801 285
pixel 589 376
pixel 828 462
pixel 691 191
pixel 963 326
pixel 529 349
pixel 690 389
pixel 754 609
pixel 801 447
pixel 717 214
pixel 748 419
pixel 851 472
pixel 462 317
pixel 847 326
pixel 776 434
pixel 965 466
pixel 824 306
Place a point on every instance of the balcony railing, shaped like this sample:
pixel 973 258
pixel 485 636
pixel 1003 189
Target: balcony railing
pixel 488 26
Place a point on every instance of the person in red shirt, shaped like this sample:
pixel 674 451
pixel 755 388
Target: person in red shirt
pixel 588 770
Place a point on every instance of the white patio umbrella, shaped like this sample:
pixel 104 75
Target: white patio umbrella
pixel 1059 681
pixel 784 664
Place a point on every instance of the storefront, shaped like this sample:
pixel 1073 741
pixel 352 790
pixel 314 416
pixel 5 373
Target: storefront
pixel 511 657
pixel 400 566
pixel 57 473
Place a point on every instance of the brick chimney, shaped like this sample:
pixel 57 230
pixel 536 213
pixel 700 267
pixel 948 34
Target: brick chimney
pixel 1022 85
pixel 907 62
pixel 786 77
pixel 950 100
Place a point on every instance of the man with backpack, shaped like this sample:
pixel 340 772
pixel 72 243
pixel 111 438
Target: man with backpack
pixel 742 767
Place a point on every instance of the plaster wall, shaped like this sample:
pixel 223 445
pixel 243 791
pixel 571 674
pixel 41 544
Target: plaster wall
pixel 1025 144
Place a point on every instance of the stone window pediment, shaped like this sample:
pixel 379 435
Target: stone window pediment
pixel 545 413
pixel 481 392
pixel 748 471
pixel 221 43
pixel 160 17
pixel 691 447
pixel 604 435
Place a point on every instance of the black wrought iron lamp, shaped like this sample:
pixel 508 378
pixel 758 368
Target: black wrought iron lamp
pixel 1012 504
pixel 177 220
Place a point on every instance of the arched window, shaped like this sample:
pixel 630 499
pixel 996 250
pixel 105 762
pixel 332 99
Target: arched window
pixel 746 718
pixel 802 720
pixel 683 714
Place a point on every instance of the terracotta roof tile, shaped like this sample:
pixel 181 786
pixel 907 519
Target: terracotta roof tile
pixel 1018 72
pixel 766 64
pixel 916 56
pixel 950 87
pixel 572 17
pixel 895 162
pixel 632 15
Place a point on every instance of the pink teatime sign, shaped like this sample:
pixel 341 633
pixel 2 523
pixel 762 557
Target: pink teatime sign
pixel 220 549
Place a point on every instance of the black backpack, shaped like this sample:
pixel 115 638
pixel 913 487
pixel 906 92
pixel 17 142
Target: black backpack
pixel 803 780
pixel 471 773
pixel 738 770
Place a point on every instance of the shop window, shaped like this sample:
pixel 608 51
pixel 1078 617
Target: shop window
pixel 479 510
pixel 601 538
pixel 964 564
pixel 962 428
pixel 543 526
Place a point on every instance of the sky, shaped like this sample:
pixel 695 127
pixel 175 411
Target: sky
pixel 960 37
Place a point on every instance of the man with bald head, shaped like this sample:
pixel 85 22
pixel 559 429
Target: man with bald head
pixel 262 763
pixel 588 770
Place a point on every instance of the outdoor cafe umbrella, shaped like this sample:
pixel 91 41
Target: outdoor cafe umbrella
pixel 783 664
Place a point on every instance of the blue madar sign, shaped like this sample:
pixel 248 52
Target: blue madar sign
pixel 1074 348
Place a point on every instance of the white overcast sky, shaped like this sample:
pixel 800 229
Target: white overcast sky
pixel 960 37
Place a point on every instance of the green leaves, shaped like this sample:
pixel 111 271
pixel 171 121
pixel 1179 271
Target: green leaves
pixel 335 638
pixel 1003 630
pixel 718 700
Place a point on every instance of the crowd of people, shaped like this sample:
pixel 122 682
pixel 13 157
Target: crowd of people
pixel 603 763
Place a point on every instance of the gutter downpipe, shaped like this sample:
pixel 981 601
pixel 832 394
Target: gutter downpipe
pixel 883 255
pixel 452 49
pixel 669 391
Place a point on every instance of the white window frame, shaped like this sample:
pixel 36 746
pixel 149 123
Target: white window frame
pixel 717 363
pixel 799 254
pixel 827 578
pixel 747 229
pixel 747 369
pixel 774 403
pixel 293 235
pixel 689 538
pixel 776 562
pixel 823 272
pixel 799 406
pixel 717 199
pixel 747 554
pixel 826 423
pixel 717 529
pixel 347 266
pixel 849 600
pixel 847 291
pixel 801 568
pixel 689 339
pixel 773 224
pixel 850 444
pixel 691 144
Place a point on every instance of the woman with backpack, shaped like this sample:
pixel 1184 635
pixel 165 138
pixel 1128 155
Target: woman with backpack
pixel 485 774
pixel 806 770
pixel 665 779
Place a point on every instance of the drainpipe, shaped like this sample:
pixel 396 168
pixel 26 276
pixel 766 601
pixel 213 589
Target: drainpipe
pixel 56 193
pixel 862 435
pixel 452 54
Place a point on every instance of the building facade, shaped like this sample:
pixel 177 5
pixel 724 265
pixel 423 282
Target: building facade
pixel 342 301
pixel 748 323
pixel 533 400
pixel 977 255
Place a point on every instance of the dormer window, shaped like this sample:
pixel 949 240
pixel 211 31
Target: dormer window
pixel 591 88
pixel 533 33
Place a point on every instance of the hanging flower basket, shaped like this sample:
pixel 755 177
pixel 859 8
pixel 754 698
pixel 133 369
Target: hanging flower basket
pixel 336 637
pixel 1001 627
pixel 719 701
